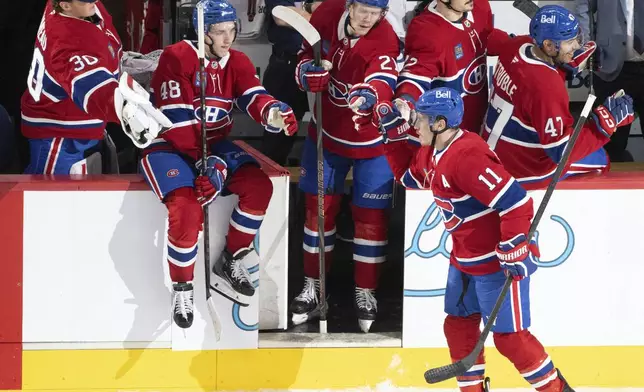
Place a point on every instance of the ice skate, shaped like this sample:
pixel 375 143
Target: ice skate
pixel 230 277
pixel 366 307
pixel 183 304
pixel 306 306
pixel 565 387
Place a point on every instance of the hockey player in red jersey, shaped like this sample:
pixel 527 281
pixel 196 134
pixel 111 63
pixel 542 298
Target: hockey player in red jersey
pixel 359 70
pixel 171 162
pixel 528 121
pixel 488 215
pixel 74 90
pixel 447 44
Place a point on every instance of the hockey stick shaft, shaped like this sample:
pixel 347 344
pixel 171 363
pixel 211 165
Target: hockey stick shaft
pixel 591 36
pixel 320 171
pixel 204 153
pixel 456 369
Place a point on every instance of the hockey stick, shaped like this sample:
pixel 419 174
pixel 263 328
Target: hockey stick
pixel 459 368
pixel 210 301
pixel 312 36
pixel 527 7
pixel 591 36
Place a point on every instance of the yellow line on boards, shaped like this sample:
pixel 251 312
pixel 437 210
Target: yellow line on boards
pixel 297 368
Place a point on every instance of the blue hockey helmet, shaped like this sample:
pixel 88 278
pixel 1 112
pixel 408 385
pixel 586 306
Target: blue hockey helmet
pixel 214 11
pixel 384 4
pixel 555 23
pixel 442 102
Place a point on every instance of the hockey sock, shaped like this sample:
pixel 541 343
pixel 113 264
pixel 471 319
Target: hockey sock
pixel 369 245
pixel 185 218
pixel 311 238
pixel 461 334
pixel 255 190
pixel 530 358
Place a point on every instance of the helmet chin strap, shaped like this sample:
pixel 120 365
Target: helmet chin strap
pixel 448 4
pixel 438 132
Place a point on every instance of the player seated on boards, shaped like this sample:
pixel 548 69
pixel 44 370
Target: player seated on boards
pixel 173 162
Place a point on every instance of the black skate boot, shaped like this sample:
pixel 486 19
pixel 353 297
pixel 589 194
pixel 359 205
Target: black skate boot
pixel 306 306
pixel 366 307
pixel 230 277
pixel 183 301
pixel 565 386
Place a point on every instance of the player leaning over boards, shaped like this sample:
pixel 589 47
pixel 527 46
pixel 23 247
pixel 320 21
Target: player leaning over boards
pixel 488 215
pixel 171 162
pixel 360 49
pixel 447 44
pixel 528 119
pixel 74 90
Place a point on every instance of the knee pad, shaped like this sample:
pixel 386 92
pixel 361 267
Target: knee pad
pixel 461 334
pixel 331 209
pixel 185 216
pixel 254 188
pixel 521 348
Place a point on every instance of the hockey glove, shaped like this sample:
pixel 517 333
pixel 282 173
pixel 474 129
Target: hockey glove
pixel 392 125
pixel 517 257
pixel 140 121
pixel 312 78
pixel 616 111
pixel 580 58
pixel 362 98
pixel 211 182
pixel 280 116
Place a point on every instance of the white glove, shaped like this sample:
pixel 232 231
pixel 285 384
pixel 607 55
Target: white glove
pixel 406 110
pixel 140 121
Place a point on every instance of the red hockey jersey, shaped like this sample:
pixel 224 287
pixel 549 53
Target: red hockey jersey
pixel 368 59
pixel 528 120
pixel 177 93
pixel 74 72
pixel 480 202
pixel 440 53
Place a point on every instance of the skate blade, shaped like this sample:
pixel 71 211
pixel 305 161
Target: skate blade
pixel 365 325
pixel 301 318
pixel 223 288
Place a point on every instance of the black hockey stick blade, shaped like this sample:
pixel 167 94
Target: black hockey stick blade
pixel 527 7
pixel 436 375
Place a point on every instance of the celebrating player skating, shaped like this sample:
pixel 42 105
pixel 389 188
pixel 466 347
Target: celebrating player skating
pixel 488 215
pixel 74 89
pixel 528 120
pixel 171 163
pixel 358 71
pixel 447 44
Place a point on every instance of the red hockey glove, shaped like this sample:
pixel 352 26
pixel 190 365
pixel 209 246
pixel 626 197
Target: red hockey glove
pixel 362 98
pixel 580 58
pixel 616 111
pixel 312 78
pixel 392 125
pixel 278 116
pixel 209 184
pixel 517 257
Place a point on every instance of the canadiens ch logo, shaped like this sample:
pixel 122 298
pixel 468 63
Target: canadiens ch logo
pixel 172 173
pixel 474 76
